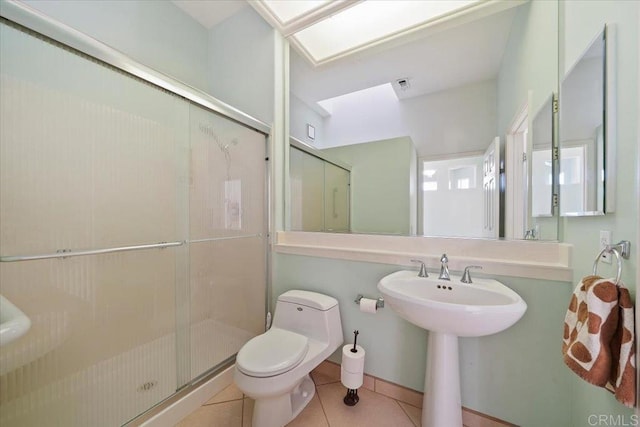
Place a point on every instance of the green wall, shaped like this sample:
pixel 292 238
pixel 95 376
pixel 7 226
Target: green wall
pixel 381 182
pixel 530 61
pixel 241 60
pixel 581 21
pixel 517 375
pixel 158 34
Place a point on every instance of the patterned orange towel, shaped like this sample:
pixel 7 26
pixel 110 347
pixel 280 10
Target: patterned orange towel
pixel 599 342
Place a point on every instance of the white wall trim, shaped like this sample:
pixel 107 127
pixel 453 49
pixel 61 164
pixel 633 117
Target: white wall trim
pixel 515 258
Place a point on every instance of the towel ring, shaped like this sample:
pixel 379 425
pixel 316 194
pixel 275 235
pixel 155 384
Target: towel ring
pixel 618 258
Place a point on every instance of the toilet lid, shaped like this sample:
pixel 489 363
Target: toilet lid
pixel 272 353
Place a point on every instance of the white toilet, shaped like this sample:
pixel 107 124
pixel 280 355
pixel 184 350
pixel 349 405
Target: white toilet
pixel 273 368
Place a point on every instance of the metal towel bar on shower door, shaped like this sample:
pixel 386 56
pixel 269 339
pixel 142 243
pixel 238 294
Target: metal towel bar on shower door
pixel 66 253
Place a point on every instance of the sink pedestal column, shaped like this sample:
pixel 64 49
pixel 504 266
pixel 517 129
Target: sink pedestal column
pixel 441 406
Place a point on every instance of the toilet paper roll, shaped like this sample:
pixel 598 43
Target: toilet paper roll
pixel 368 305
pixel 351 380
pixel 353 362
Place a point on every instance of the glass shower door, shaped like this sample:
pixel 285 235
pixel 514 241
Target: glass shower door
pixel 87 168
pixel 132 235
pixel 227 249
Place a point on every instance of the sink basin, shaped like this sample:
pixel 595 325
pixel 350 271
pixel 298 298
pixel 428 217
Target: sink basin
pixel 13 322
pixel 483 307
pixel 449 309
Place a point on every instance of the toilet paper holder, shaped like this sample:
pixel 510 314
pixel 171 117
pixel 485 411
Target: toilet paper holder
pixel 379 301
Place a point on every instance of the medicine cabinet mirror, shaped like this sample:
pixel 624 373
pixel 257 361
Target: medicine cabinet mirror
pixel 587 131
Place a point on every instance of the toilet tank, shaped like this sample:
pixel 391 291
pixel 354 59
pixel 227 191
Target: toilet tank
pixel 311 314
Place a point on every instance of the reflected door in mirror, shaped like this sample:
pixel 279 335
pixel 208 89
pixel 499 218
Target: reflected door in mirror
pixel 319 190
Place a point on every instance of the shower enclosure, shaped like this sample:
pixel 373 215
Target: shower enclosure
pixel 132 235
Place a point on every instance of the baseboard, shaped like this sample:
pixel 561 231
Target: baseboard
pixel 470 417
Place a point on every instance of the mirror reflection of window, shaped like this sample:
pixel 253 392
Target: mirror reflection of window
pixel 462 178
pixel 452 198
pixel 430 182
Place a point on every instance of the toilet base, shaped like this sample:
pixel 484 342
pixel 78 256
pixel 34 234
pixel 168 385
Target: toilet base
pixel 279 410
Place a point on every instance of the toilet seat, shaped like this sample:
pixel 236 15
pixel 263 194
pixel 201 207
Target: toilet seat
pixel 272 353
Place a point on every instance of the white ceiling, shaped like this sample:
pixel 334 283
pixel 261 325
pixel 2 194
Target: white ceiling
pixel 454 57
pixel 210 13
pixel 467 53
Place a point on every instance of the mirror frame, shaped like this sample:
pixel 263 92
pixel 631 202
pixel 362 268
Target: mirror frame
pixel 610 119
pixel 555 160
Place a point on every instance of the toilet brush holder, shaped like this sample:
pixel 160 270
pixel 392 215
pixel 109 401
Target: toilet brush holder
pixel 351 398
pixel 352 370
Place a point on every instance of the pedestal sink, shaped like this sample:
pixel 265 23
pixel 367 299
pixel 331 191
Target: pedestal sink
pixel 449 309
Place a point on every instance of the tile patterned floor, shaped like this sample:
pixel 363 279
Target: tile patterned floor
pixel 230 408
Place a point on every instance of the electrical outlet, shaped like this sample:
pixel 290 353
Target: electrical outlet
pixel 605 239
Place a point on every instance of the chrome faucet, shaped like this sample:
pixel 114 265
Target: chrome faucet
pixel 423 269
pixel 466 277
pixel 444 268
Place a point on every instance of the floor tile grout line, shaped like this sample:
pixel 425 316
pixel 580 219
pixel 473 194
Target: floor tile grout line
pixel 326 418
pixel 330 382
pixel 222 401
pixel 242 413
pixel 324 412
pixel 405 412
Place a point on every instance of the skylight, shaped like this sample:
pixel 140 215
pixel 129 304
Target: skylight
pixel 369 22
pixel 287 10
pixel 328 29
pixel 369 96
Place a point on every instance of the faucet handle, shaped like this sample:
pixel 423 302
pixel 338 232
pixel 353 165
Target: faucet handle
pixel 423 269
pixel 466 276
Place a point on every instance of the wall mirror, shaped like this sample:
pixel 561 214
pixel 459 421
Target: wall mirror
pixel 587 132
pixel 440 128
